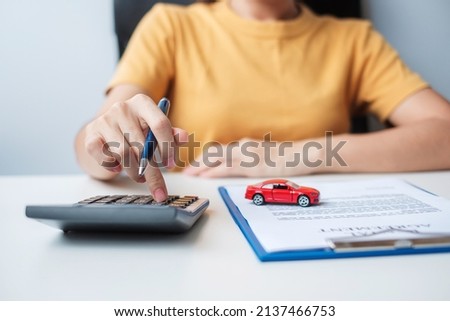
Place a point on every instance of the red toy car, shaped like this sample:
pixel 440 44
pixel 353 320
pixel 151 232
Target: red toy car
pixel 282 191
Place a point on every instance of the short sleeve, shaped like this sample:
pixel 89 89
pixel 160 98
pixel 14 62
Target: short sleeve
pixel 148 60
pixel 382 79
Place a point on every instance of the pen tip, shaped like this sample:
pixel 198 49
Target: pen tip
pixel 142 166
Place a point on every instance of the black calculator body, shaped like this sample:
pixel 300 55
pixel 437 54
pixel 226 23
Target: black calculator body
pixel 123 213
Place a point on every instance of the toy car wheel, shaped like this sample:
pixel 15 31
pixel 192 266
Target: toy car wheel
pixel 303 201
pixel 258 199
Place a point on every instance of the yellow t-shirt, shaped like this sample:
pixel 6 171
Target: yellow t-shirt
pixel 230 78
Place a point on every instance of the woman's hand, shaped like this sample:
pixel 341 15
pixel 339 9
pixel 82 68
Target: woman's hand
pixel 116 137
pixel 250 158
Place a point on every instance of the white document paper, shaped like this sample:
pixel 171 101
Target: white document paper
pixel 382 207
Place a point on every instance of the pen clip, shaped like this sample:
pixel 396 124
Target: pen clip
pixel 164 105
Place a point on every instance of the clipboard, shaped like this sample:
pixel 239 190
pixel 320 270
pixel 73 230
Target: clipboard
pixel 344 247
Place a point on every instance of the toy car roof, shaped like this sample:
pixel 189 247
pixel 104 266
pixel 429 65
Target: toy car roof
pixel 273 181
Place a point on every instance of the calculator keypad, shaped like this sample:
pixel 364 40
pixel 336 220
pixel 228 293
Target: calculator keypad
pixel 172 200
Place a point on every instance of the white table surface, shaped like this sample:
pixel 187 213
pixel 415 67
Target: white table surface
pixel 213 261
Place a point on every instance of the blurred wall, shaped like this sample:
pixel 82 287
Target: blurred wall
pixel 420 31
pixel 55 60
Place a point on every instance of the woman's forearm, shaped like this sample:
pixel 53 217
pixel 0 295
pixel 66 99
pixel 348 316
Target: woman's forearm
pixel 417 146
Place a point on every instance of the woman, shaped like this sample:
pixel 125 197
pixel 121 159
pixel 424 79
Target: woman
pixel 242 72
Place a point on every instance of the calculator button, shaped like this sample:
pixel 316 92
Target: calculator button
pixel 180 205
pixel 143 200
pixel 109 199
pixel 187 199
pixel 127 199
pixel 92 199
pixel 172 198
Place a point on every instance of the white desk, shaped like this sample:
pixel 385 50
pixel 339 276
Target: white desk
pixel 211 262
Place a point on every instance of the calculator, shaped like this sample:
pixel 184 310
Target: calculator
pixel 123 213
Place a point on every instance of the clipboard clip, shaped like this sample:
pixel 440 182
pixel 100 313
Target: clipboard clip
pixel 364 243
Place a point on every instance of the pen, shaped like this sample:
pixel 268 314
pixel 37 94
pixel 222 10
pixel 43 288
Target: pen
pixel 150 141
